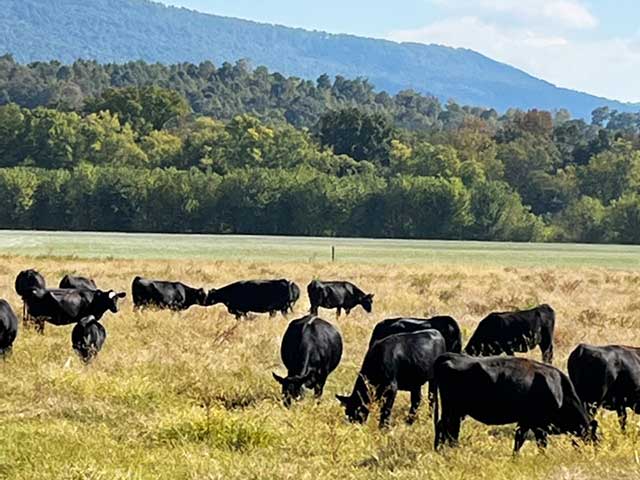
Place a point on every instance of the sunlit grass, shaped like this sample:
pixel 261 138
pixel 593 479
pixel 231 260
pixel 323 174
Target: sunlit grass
pixel 190 395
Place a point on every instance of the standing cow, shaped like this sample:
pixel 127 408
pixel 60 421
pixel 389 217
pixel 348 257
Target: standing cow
pixel 60 306
pixel 607 377
pixel 499 391
pixel 8 328
pixel 311 349
pixel 399 362
pixel 72 281
pixel 169 295
pixel 338 295
pixel 509 332
pixel 87 338
pixel 447 326
pixel 259 296
pixel 26 281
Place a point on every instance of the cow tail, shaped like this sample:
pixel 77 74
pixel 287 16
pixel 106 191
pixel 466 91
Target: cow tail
pixel 436 411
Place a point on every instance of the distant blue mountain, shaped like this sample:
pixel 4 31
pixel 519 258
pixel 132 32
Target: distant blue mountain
pixel 123 30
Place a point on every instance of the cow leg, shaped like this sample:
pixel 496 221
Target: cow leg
pixel 450 429
pixel 433 392
pixel 520 437
pixel 39 325
pixel 318 388
pixel 313 310
pixel 388 399
pixel 622 417
pixel 272 313
pixel 541 438
pixel 546 347
pixel 338 312
pixel 347 311
pixel 416 399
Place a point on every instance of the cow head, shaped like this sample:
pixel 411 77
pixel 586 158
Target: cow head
pixel 292 388
pixel 354 408
pixel 109 300
pixel 198 297
pixel 367 302
pixel 212 297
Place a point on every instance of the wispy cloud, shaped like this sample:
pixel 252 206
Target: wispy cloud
pixel 566 13
pixel 553 54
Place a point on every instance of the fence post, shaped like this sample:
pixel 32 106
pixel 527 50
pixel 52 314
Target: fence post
pixel 333 253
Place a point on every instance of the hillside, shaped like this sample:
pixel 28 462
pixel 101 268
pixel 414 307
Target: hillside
pixel 122 30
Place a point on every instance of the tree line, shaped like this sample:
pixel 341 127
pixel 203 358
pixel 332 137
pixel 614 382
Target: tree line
pixel 149 154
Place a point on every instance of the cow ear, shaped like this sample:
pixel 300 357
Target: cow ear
pixel 278 378
pixel 342 399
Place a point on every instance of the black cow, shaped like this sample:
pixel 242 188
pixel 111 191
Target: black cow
pixel 170 295
pixel 447 326
pixel 71 281
pixel 339 295
pixel 510 332
pixel 258 296
pixel 399 362
pixel 61 306
pixel 25 282
pixel 8 328
pixel 607 377
pixel 500 391
pixel 87 338
pixel 311 349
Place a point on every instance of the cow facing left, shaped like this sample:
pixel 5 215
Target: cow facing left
pixel 60 306
pixel 165 295
pixel 311 349
pixel 8 328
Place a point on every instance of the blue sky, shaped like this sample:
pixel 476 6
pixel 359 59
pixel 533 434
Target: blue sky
pixel 589 45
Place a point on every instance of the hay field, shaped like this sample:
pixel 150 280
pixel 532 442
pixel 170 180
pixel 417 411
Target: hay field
pixel 190 395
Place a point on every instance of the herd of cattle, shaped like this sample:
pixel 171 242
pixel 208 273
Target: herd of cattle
pixel 403 354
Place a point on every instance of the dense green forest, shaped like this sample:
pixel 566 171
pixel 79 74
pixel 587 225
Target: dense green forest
pixel 128 30
pixel 195 148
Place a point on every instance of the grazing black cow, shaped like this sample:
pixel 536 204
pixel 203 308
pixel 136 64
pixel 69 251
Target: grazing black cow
pixel 447 326
pixel 170 295
pixel 71 281
pixel 8 328
pixel 399 362
pixel 87 338
pixel 339 295
pixel 510 332
pixel 60 306
pixel 258 296
pixel 311 349
pixel 26 281
pixel 500 391
pixel 607 377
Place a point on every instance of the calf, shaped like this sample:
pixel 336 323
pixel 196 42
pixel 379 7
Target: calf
pixel 607 377
pixel 311 349
pixel 67 306
pixel 259 296
pixel 399 362
pixel 447 326
pixel 339 295
pixel 87 338
pixel 25 282
pixel 510 332
pixel 8 328
pixel 169 295
pixel 500 391
pixel 70 281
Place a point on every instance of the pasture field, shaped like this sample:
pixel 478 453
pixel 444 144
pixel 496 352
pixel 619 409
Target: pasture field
pixel 190 395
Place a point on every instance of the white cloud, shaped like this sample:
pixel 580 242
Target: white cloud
pixel 566 13
pixel 607 68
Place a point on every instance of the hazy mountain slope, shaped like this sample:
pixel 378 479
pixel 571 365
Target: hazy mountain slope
pixel 121 30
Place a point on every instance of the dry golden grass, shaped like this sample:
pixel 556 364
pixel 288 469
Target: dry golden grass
pixel 191 396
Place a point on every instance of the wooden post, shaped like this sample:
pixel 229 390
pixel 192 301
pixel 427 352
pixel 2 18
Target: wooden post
pixel 333 253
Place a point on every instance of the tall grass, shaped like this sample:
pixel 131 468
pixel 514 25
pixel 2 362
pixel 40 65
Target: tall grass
pixel 191 396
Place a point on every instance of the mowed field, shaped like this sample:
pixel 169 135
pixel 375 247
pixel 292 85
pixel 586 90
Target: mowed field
pixel 191 396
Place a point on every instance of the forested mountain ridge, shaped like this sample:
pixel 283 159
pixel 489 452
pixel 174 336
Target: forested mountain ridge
pixel 123 30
